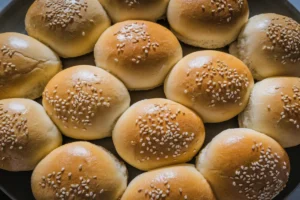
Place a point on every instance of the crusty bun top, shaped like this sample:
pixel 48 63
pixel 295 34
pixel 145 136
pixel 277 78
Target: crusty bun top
pixel 158 132
pixel 79 170
pixel 26 65
pixel 244 164
pixel 20 54
pixel 179 182
pixel 26 134
pixel 215 84
pixel 274 109
pixel 207 23
pixel 70 27
pixel 85 101
pixel 272 41
pixel 121 10
pixel 140 53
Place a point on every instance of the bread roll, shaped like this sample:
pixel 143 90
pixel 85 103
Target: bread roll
pixel 120 10
pixel 170 183
pixel 274 109
pixel 214 84
pixel 269 45
pixel 158 132
pixel 85 102
pixel 140 53
pixel 26 65
pixel 71 28
pixel 244 164
pixel 26 134
pixel 79 170
pixel 207 23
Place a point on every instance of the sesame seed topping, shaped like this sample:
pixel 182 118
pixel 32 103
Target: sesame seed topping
pixel 136 33
pixel 266 171
pixel 156 191
pixel 218 7
pixel 56 16
pixel 73 187
pixel 161 136
pixel 291 107
pixel 13 131
pixel 132 3
pixel 284 37
pixel 79 108
pixel 224 84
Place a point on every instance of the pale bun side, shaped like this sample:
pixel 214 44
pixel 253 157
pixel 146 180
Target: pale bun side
pixel 72 34
pixel 140 53
pixel 274 109
pixel 214 84
pixel 120 10
pixel 26 66
pixel 158 132
pixel 244 164
pixel 85 101
pixel 269 45
pixel 170 183
pixel 79 170
pixel 27 134
pixel 206 23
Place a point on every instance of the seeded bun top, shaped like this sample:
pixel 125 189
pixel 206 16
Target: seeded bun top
pixel 85 101
pixel 158 132
pixel 214 84
pixel 272 41
pixel 244 164
pixel 27 134
pixel 140 53
pixel 207 23
pixel 26 65
pixel 79 170
pixel 120 10
pixel 71 28
pixel 170 183
pixel 274 109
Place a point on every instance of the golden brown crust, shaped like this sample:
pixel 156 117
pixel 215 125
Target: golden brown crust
pixel 178 182
pixel 25 138
pixel 120 10
pixel 85 101
pixel 207 23
pixel 26 65
pixel 274 109
pixel 140 53
pixel 272 41
pixel 158 132
pixel 72 34
pixel 79 170
pixel 214 84
pixel 244 164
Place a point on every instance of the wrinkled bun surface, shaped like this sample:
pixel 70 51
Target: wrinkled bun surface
pixel 120 10
pixel 79 170
pixel 158 132
pixel 214 84
pixel 207 23
pixel 26 66
pixel 140 53
pixel 274 109
pixel 269 45
pixel 244 164
pixel 169 183
pixel 70 28
pixel 27 134
pixel 85 101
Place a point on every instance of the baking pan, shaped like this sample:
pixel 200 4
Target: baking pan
pixel 17 185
